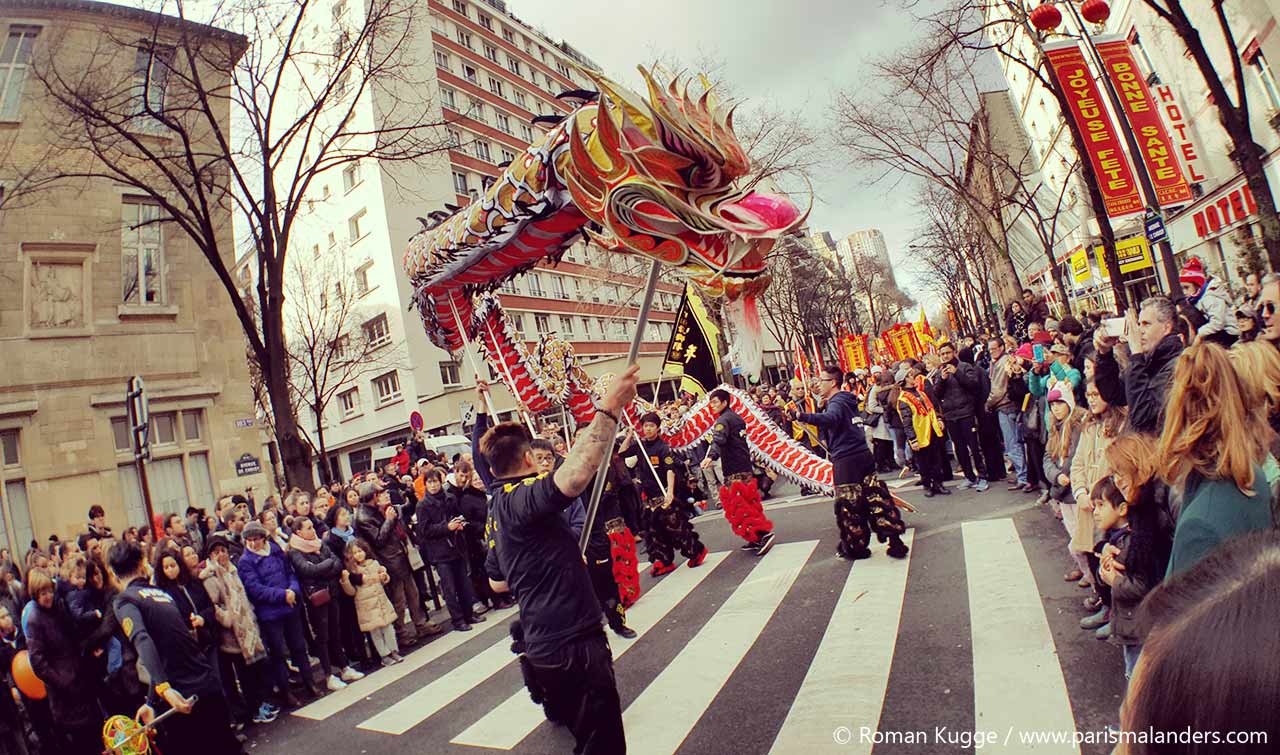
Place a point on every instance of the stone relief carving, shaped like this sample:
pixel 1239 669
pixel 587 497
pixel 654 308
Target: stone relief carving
pixel 56 295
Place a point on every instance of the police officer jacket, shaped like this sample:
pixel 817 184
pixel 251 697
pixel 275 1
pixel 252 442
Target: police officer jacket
pixel 165 642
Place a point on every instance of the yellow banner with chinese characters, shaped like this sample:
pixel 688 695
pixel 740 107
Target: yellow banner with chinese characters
pixel 691 352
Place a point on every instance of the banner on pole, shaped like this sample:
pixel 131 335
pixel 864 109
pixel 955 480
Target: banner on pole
pixel 691 352
pixel 1116 181
pixel 857 352
pixel 1157 148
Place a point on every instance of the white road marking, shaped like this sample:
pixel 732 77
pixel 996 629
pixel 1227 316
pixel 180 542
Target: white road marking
pixel 1018 685
pixel 336 702
pixel 513 720
pixel 848 676
pixel 670 707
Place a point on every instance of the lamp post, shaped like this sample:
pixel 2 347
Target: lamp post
pixel 1100 13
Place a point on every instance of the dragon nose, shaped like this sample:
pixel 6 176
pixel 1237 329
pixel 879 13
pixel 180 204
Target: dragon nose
pixel 762 212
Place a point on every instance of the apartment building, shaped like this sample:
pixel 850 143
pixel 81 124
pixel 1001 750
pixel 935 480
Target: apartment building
pixel 99 288
pixel 867 243
pixel 491 74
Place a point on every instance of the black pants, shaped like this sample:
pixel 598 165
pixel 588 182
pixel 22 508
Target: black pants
pixel 884 454
pixel 600 567
pixel 578 688
pixel 1035 462
pixel 279 635
pixel 326 625
pixel 670 530
pixel 244 686
pixel 455 583
pixel 863 505
pixel 964 436
pixel 931 462
pixel 206 730
pixel 353 641
pixel 479 580
pixel 992 445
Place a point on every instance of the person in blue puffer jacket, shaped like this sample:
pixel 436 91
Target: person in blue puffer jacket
pixel 274 591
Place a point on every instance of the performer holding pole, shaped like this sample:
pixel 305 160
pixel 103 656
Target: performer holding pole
pixel 863 503
pixel 739 495
pixel 665 499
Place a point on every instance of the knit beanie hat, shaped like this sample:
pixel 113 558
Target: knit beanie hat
pixel 1193 273
pixel 1066 397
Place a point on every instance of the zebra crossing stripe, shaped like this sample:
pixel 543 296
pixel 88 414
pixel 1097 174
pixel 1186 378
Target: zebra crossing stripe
pixel 848 676
pixel 508 724
pixel 336 702
pixel 1018 686
pixel 670 707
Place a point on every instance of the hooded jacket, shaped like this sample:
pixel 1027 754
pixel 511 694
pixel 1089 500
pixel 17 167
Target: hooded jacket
pixel 266 578
pixel 1215 303
pixel 843 438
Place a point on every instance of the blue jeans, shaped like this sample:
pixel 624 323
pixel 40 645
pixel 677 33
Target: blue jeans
pixel 1012 445
pixel 282 633
pixel 901 451
pixel 1131 653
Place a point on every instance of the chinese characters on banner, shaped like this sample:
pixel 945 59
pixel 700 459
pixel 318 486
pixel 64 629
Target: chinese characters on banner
pixel 1115 176
pixel 1154 143
pixel 691 352
pixel 856 351
pixel 902 342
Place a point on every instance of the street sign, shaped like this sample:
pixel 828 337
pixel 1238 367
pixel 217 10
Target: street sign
pixel 415 421
pixel 139 417
pixel 1154 225
pixel 247 464
pixel 243 423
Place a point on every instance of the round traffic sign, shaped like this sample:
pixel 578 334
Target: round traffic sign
pixel 415 421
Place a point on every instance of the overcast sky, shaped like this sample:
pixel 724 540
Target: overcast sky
pixel 798 53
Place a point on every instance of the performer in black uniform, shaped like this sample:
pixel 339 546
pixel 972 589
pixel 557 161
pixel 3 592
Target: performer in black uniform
pixel 669 527
pixel 534 554
pixel 863 503
pixel 182 676
pixel 739 495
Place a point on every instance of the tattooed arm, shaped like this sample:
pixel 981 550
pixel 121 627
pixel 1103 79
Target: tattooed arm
pixel 575 474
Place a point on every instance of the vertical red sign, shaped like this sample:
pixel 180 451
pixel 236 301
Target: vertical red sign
pixel 1157 149
pixel 1115 176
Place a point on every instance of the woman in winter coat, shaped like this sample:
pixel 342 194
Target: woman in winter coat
pixel 57 659
pixel 1089 465
pixel 473 504
pixel 1015 321
pixel 439 525
pixel 241 653
pixel 274 591
pixel 879 409
pixel 318 570
pixel 172 575
pixel 341 531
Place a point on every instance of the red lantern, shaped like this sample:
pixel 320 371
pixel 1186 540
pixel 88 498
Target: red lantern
pixel 1095 11
pixel 1046 16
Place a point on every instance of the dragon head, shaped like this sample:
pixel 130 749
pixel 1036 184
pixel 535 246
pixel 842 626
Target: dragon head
pixel 661 177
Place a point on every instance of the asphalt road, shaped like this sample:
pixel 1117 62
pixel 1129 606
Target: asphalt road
pixel 972 640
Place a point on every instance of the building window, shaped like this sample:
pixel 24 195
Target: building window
pixel 508 156
pixel 526 132
pixel 151 66
pixel 361 461
pixel 141 253
pixel 504 123
pixel 557 287
pixel 564 71
pixel 460 182
pixel 362 280
pixel 535 284
pixel 491 52
pixel 509 287
pixel 513 65
pixel 387 388
pixel 469 73
pixel 164 429
pixel 448 98
pixel 482 150
pixel 191 421
pixel 442 60
pixel 455 139
pixel 333 242
pixel 542 324
pixel 9 448
pixel 509 35
pixel 324 192
pixel 495 86
pixel 548 83
pixel 485 21
pixel 449 375
pixel 353 226
pixel 19 508
pixel 376 332
pixel 460 7
pixel 521 100
pixel 350 177
pixel 618 328
pixel 578 287
pixel 476 110
pixel 1266 79
pixel 14 60
pixel 121 434
pixel 566 326
pixel 349 403
pixel 611 294
pixel 600 326
pixel 464 38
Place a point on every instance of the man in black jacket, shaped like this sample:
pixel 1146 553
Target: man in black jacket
pixel 739 496
pixel 862 501
pixel 958 385
pixel 439 528
pixel 182 676
pixel 378 524
pixel 1154 350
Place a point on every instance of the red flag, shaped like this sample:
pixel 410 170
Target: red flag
pixel 802 364
pixel 817 354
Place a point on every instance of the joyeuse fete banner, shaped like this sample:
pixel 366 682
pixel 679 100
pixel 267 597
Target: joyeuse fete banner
pixel 1115 176
pixel 1154 143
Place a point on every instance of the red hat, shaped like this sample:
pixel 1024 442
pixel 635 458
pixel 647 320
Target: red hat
pixel 1193 273
pixel 1025 351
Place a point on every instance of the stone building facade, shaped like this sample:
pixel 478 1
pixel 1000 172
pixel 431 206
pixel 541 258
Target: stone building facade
pixel 94 292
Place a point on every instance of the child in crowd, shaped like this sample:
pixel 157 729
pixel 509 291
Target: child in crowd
pixel 1066 420
pixel 373 608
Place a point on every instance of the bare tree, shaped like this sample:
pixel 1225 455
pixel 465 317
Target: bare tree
pixel 152 115
pixel 952 258
pixel 329 345
pixel 1233 111
pixel 872 283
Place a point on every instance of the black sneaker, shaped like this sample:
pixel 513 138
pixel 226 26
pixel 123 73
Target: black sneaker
pixel 624 631
pixel 461 626
pixel 764 544
pixel 750 547
pixel 475 619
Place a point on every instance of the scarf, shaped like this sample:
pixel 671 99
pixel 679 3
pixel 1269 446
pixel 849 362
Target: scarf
pixel 266 548
pixel 299 543
pixel 347 535
pixel 919 402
